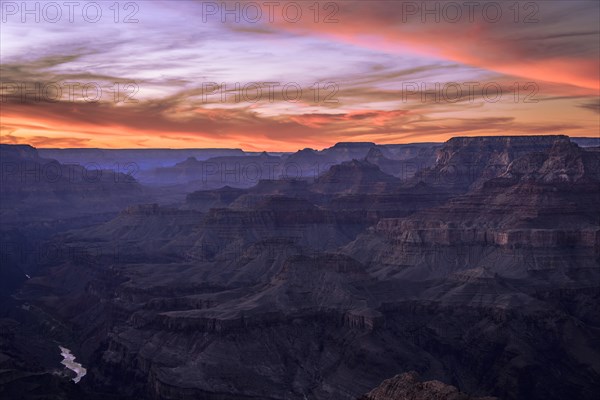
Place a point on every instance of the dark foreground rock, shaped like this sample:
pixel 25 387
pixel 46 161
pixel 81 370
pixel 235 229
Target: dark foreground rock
pixel 407 386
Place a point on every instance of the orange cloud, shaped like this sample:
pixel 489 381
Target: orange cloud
pixel 153 125
pixel 566 54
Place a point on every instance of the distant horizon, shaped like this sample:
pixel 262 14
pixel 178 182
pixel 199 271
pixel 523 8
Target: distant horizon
pixel 287 151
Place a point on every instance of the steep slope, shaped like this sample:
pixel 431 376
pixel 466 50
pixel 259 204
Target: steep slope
pixel 40 197
pixel 355 176
pixel 35 188
pixel 467 162
pixel 406 159
pixel 540 214
pixel 204 200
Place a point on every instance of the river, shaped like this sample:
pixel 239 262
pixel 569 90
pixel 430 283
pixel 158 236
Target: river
pixel 69 362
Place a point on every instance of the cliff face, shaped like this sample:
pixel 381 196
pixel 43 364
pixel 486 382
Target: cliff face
pixel 40 197
pixel 408 387
pixel 542 212
pixel 505 247
pixel 564 162
pixel 38 188
pixel 405 161
pixel 467 162
pixel 355 176
pixel 205 200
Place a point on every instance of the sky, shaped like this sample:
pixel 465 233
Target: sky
pixel 282 76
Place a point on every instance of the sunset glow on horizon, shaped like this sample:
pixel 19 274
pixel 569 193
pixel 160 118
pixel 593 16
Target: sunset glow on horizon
pixel 194 74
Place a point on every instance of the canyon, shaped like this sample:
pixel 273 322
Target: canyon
pixel 468 269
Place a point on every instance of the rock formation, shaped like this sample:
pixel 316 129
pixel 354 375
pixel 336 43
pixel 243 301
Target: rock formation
pixel 408 387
